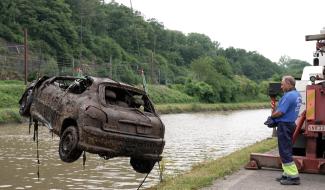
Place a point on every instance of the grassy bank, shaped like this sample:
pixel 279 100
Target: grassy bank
pixel 198 107
pixel 203 174
pixel 10 115
pixel 10 93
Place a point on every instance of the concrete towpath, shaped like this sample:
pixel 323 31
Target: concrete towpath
pixel 265 179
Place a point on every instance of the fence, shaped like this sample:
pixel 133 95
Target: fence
pixel 12 67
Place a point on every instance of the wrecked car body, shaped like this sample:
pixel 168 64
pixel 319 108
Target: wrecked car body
pixel 97 115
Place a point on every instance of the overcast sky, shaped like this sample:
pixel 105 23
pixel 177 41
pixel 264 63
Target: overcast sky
pixel 271 27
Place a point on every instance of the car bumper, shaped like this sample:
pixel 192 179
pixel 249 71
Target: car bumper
pixel 110 144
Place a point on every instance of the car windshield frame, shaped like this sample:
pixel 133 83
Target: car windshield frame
pixel 74 85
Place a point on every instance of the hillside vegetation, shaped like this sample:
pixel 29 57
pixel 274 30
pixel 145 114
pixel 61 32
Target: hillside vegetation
pixel 108 39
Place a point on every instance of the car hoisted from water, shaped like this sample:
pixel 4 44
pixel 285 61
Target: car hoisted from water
pixel 97 115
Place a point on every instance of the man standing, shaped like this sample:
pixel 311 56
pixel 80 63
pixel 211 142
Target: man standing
pixel 285 116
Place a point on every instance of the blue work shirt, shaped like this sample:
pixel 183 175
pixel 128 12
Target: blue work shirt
pixel 289 105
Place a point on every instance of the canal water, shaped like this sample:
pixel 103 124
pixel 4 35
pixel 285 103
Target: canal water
pixel 190 138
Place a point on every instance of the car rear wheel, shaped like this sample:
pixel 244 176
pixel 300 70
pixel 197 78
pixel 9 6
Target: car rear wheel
pixel 68 147
pixel 142 165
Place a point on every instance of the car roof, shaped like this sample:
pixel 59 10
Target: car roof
pixel 99 80
pixel 111 82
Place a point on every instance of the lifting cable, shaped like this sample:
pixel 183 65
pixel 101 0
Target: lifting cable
pixel 84 160
pixel 160 172
pixel 30 124
pixel 143 181
pixel 160 176
pixel 35 138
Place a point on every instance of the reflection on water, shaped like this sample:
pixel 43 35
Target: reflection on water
pixel 190 138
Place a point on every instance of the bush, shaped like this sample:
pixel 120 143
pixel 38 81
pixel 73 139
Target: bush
pixel 201 90
pixel 162 94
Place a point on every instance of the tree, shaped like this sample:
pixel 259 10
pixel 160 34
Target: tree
pixel 196 45
pixel 222 66
pixel 283 61
pixel 295 67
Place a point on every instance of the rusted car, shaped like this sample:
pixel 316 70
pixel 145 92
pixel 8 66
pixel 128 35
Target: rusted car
pixel 97 115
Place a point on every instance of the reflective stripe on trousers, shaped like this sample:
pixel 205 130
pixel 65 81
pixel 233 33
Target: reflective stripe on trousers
pixel 290 170
pixel 285 132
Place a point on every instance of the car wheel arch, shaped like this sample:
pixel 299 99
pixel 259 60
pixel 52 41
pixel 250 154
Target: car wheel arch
pixel 66 123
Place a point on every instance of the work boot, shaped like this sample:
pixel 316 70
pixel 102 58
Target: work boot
pixel 281 178
pixel 290 181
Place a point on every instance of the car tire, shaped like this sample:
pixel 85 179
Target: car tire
pixel 68 146
pixel 142 165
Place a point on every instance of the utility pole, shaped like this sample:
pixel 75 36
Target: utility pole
pixel 81 33
pixel 135 31
pixel 39 62
pixel 25 55
pixel 151 69
pixel 111 67
pixel 73 66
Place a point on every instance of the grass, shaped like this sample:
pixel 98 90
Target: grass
pixel 203 174
pixel 10 94
pixel 196 107
pixel 10 115
pixel 16 82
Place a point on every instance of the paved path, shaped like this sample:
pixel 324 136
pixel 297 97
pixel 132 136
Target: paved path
pixel 265 180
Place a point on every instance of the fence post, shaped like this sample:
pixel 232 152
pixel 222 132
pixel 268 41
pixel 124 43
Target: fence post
pixel 73 66
pixel 111 66
pixel 25 55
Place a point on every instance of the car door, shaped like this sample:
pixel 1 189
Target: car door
pixel 50 101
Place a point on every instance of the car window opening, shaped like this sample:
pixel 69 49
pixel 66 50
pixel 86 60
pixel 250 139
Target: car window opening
pixel 63 83
pixel 123 98
pixel 75 86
